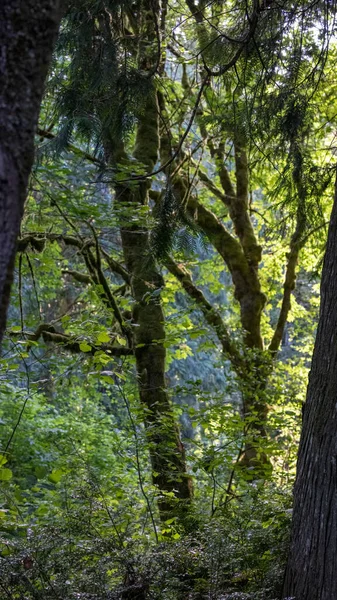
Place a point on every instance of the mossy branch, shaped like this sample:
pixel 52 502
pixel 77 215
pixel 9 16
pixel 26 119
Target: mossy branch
pixel 237 199
pixel 239 208
pixel 98 278
pixel 50 334
pixel 116 267
pixel 296 243
pixel 245 279
pixel 81 277
pixel 241 263
pixel 212 316
pixel 218 155
pixel 37 241
pixel 213 188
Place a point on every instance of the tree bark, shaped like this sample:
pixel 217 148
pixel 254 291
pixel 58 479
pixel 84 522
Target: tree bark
pixel 311 573
pixel 167 454
pixel 27 32
pixel 166 450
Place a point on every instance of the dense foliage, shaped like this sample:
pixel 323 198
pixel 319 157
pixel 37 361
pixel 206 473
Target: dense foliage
pixel 166 300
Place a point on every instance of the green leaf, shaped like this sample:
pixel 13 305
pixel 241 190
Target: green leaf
pixel 5 474
pixel 197 333
pixel 121 340
pixel 121 376
pixel 3 460
pixel 108 379
pixel 56 475
pixel 40 472
pixel 103 338
pixel 85 347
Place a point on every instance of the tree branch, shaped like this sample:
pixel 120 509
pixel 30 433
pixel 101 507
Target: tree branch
pixel 116 267
pixel 77 151
pixel 37 241
pixel 239 208
pixel 212 316
pixel 241 264
pixel 297 242
pixel 81 277
pixel 49 334
pixel 225 199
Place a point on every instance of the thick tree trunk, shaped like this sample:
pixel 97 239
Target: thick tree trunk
pixel 27 32
pixel 311 573
pixel 166 450
pixel 167 455
pixel 252 382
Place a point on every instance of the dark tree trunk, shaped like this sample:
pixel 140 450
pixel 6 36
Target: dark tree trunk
pixel 167 454
pixel 27 32
pixel 166 449
pixel 169 472
pixel 311 573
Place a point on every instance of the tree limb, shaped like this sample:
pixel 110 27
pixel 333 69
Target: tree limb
pixel 116 267
pixel 297 242
pixel 81 277
pixel 37 241
pixel 49 334
pixel 212 316
pixel 77 151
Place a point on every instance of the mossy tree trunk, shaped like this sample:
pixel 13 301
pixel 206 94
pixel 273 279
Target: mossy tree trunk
pixel 241 253
pixel 166 449
pixel 167 454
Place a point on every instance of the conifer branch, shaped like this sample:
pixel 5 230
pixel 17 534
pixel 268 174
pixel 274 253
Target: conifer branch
pixel 77 151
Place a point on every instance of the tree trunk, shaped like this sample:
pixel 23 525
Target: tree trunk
pixel 242 257
pixel 311 573
pixel 27 32
pixel 252 382
pixel 166 449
